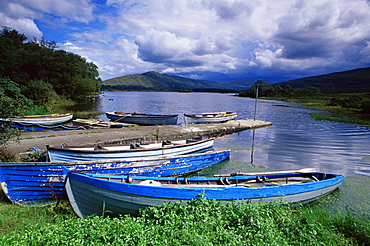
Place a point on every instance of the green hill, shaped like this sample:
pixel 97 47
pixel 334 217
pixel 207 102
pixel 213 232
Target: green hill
pixel 153 81
pixel 352 81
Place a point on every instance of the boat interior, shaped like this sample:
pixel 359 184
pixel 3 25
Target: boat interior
pixel 221 182
pixel 141 145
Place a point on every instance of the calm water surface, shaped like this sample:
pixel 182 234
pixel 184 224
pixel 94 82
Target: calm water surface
pixel 294 140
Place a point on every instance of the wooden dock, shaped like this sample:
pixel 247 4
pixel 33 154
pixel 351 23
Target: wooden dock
pixel 129 134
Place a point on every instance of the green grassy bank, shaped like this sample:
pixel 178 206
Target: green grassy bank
pixel 336 107
pixel 200 222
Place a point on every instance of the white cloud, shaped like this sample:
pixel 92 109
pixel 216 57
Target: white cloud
pixel 22 25
pixel 159 46
pixel 236 37
pixel 80 10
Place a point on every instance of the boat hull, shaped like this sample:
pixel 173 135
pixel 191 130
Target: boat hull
pixel 89 195
pixel 100 123
pixel 38 127
pixel 142 119
pixel 43 183
pixel 119 152
pixel 209 118
pixel 46 120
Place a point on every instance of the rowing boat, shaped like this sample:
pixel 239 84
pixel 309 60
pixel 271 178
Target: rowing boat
pixel 39 127
pixel 142 118
pixel 50 119
pixel 113 195
pixel 42 183
pixel 100 123
pixel 67 153
pixel 216 117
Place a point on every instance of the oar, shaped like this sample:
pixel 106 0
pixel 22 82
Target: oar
pixel 304 170
pixel 122 117
pixel 127 115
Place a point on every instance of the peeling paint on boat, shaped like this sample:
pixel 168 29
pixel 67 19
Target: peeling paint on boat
pixel 42 183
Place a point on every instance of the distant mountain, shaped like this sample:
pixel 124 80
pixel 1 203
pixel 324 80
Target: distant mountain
pixel 153 81
pixel 352 81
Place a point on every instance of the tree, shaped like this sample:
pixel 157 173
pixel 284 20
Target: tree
pixel 25 63
pixel 264 89
pixel 13 34
pixel 39 91
pixel 45 44
pixel 11 103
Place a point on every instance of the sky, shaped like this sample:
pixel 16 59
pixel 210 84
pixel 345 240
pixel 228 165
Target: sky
pixel 220 40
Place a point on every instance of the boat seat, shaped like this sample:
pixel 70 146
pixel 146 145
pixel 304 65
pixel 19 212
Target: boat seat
pixel 129 179
pixel 259 180
pixel 221 181
pixel 166 142
pixel 150 182
pixel 315 178
pixel 191 140
pixel 134 146
pixel 265 181
pixel 98 147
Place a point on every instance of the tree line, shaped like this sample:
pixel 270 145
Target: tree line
pixel 288 92
pixel 267 90
pixel 36 72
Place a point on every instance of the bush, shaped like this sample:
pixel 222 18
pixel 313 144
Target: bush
pixel 40 92
pixel 365 106
pixel 203 222
pixel 349 102
pixel 12 101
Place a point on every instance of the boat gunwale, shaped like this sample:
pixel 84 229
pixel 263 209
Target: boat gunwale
pixel 136 189
pixel 215 116
pixel 52 116
pixel 102 161
pixel 141 115
pixel 215 178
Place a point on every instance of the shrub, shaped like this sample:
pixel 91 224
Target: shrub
pixel 202 222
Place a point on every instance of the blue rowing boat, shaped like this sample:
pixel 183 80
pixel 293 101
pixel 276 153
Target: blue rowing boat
pixel 39 127
pixel 143 118
pixel 113 195
pixel 42 183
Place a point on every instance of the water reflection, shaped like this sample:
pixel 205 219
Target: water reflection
pixel 90 104
pixel 252 150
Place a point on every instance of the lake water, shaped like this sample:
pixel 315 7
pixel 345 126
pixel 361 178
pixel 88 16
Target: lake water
pixel 294 140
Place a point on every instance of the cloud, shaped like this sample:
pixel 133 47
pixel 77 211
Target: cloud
pixel 228 39
pixel 160 46
pixel 23 14
pixel 23 25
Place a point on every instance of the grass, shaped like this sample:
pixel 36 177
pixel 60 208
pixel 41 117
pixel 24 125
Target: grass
pixel 339 118
pixel 86 114
pixel 200 222
pixel 333 113
pixel 60 106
